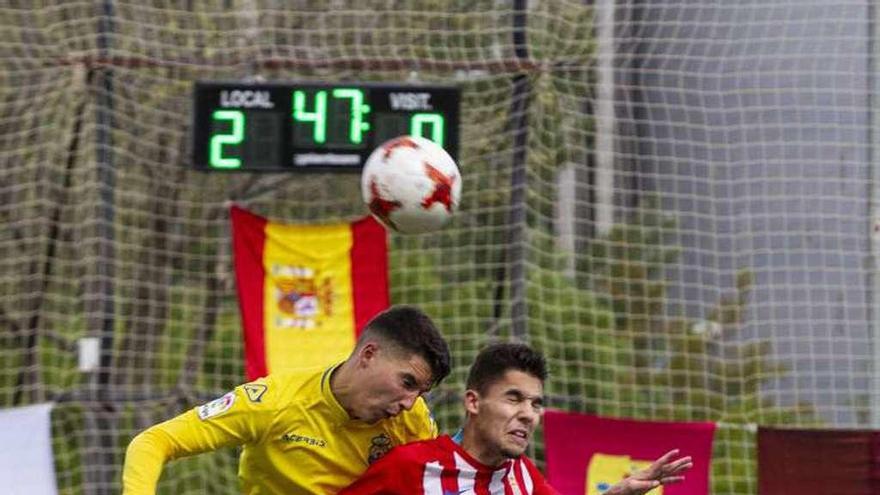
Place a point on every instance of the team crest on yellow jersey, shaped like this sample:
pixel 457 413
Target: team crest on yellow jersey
pixel 379 446
pixel 303 295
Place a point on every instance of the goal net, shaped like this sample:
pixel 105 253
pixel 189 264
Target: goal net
pixel 675 201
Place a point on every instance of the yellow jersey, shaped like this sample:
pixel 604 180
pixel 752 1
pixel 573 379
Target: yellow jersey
pixel 297 438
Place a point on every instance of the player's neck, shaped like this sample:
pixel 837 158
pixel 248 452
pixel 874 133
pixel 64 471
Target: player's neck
pixel 479 450
pixel 342 388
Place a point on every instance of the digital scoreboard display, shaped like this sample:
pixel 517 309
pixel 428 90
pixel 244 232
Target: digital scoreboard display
pixel 257 127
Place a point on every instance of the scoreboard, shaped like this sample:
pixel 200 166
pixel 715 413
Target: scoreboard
pixel 272 127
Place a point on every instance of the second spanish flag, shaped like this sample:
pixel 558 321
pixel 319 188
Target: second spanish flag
pixel 305 291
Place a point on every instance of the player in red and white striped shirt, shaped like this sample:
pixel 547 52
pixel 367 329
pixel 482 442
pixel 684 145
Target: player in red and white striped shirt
pixel 504 403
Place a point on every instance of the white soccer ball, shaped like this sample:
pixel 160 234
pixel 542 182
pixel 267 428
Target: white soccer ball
pixel 411 185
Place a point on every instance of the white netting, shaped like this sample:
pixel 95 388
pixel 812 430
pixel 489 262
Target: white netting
pixel 672 199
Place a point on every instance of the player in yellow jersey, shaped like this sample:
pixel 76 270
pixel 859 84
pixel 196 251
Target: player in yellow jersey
pixel 311 432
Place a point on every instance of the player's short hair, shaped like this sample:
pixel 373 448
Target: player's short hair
pixel 410 330
pixel 497 359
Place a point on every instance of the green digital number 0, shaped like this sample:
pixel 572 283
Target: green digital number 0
pixel 233 137
pixel 418 122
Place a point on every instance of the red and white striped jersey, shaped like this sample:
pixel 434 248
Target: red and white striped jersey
pixel 442 467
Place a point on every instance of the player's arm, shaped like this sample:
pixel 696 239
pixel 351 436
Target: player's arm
pixel 236 418
pixel 666 470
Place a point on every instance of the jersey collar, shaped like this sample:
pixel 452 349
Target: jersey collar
pixel 337 413
pixel 458 436
pixel 451 444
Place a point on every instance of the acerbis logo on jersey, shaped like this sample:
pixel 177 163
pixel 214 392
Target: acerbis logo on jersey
pixel 303 439
pixel 216 407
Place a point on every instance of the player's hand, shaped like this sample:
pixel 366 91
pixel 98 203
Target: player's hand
pixel 663 471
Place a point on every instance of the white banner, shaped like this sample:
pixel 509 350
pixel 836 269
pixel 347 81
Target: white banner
pixel 26 465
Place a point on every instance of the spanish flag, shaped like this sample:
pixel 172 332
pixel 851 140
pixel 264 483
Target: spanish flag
pixel 305 291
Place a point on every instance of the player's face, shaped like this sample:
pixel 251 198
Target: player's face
pixel 506 415
pixel 391 383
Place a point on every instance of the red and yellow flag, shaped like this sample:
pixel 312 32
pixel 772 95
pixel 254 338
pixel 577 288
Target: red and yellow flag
pixel 305 291
pixel 587 454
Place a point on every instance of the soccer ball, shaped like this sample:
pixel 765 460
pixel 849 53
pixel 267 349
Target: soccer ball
pixel 411 185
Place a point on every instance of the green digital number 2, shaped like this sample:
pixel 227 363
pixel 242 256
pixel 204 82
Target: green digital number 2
pixel 233 137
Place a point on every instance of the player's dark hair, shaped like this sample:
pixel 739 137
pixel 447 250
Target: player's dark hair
pixel 497 359
pixel 412 331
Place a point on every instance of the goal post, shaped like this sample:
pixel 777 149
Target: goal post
pixel 675 201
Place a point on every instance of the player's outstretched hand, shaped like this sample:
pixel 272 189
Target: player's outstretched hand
pixel 663 471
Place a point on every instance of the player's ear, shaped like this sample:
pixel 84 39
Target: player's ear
pixel 367 353
pixel 472 401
